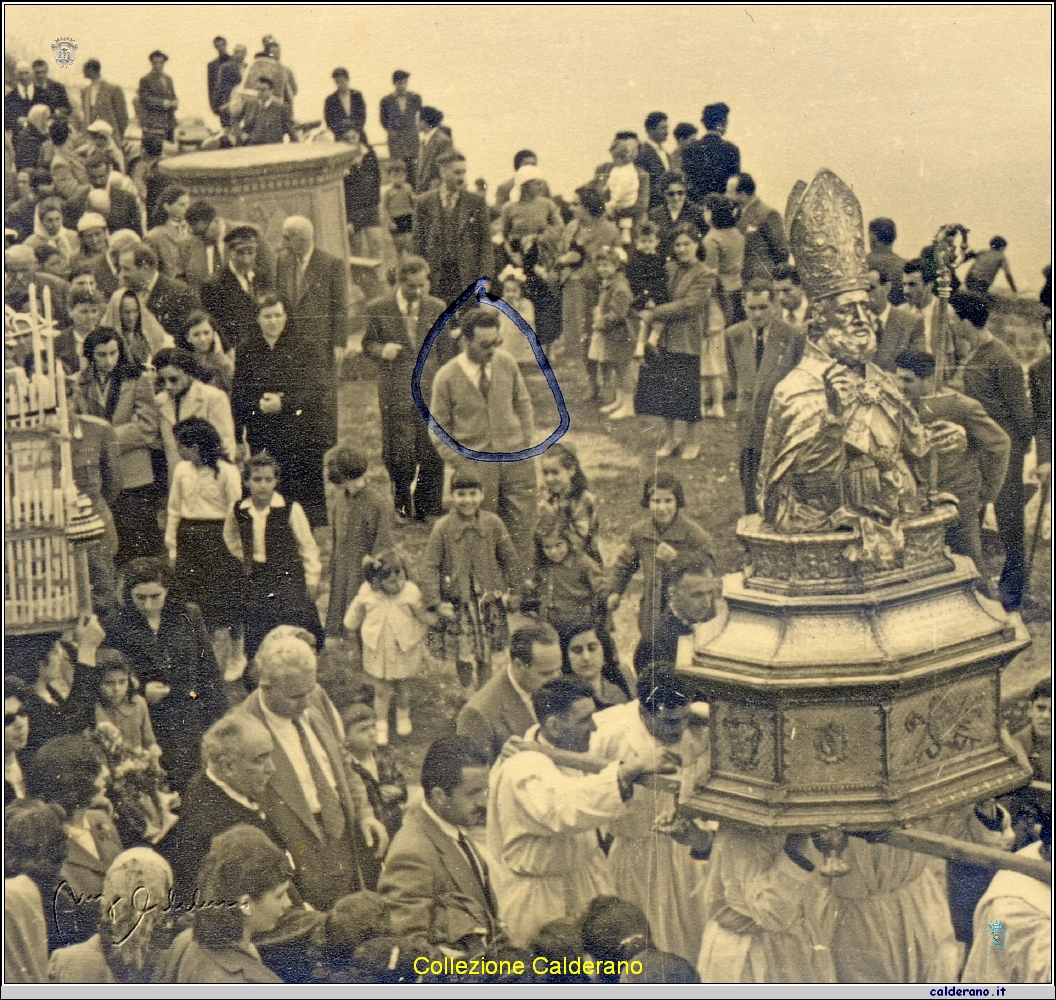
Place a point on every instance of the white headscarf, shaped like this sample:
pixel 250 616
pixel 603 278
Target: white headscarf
pixel 529 172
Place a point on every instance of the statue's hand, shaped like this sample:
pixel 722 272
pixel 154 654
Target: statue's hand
pixel 946 437
pixel 839 388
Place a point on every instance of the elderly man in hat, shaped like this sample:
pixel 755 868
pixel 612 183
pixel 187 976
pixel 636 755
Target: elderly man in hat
pixel 157 96
pixel 840 435
pixel 318 809
pixel 230 296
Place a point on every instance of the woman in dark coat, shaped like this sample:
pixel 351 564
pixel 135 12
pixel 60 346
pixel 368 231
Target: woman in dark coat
pixel 171 653
pixel 282 397
pixel 669 385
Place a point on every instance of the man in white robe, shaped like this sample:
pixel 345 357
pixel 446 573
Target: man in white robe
pixel 769 914
pixel 1013 926
pixel 660 873
pixel 543 817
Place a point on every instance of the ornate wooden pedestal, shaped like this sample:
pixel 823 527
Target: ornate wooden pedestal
pixel 847 697
pixel 262 185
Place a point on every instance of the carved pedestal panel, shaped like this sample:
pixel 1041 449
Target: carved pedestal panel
pixel 262 185
pixel 843 697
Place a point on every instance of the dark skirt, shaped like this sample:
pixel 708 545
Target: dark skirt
pixel 275 598
pixel 669 387
pixel 207 574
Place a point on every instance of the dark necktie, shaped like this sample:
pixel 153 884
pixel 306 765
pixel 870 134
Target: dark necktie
pixel 480 868
pixel 333 816
pixel 760 345
pixel 485 383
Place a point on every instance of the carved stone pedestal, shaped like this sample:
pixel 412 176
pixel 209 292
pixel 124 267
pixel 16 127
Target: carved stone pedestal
pixel 843 696
pixel 262 185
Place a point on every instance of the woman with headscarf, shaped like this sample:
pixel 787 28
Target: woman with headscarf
pixel 134 917
pixel 48 230
pixel 29 140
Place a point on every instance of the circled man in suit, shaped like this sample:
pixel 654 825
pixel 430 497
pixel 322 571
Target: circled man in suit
pixel 397 325
pixel 319 811
pixel 435 879
pixel 480 398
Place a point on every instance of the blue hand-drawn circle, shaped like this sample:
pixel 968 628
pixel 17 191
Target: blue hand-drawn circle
pixel 478 291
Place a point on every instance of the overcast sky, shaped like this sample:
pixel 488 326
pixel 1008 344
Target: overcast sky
pixel 933 114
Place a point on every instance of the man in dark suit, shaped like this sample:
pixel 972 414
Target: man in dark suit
pixel 991 374
pixel 763 350
pixel 49 92
pixel 319 811
pixel 123 211
pixel 882 236
pixel 269 120
pixel 436 140
pixel 503 707
pixel 169 301
pixel 223 74
pixel 237 759
pixel 397 325
pixel 974 476
pixel 18 100
pixel 230 296
pixel 435 881
pixel 765 241
pixel 897 329
pixel 711 161
pixel 652 157
pixel 315 284
pixel 344 110
pixel 157 96
pixel 452 232
pixel 399 118
pixel 102 101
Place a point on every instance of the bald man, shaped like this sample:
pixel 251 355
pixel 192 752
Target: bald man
pixel 315 285
pixel 229 790
pixel 317 807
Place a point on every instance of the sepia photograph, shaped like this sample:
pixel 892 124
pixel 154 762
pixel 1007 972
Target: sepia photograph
pixel 528 494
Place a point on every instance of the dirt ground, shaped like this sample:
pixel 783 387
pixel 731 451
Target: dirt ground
pixel 616 458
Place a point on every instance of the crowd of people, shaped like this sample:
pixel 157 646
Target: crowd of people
pixel 201 777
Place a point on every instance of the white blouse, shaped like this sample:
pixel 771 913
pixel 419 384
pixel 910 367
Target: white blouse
pixel 199 494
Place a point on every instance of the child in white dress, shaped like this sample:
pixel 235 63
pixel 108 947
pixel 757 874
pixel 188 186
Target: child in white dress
pixel 391 619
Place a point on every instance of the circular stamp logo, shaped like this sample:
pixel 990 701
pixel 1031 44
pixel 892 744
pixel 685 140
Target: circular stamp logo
pixel 65 51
